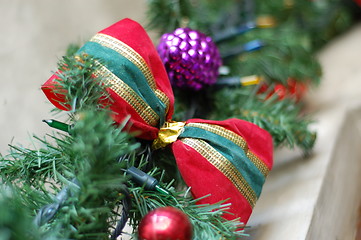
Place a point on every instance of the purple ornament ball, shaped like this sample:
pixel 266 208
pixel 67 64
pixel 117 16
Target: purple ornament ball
pixel 190 57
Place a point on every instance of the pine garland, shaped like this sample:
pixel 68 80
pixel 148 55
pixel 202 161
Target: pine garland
pixel 280 118
pixel 82 177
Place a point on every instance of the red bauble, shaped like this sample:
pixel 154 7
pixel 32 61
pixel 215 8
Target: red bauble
pixel 297 89
pixel 165 223
pixel 293 89
pixel 281 91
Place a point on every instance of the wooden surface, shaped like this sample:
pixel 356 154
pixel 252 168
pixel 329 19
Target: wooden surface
pixel 336 209
pixel 318 197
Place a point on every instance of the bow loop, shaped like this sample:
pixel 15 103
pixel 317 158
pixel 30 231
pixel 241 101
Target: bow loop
pixel 232 158
pixel 139 85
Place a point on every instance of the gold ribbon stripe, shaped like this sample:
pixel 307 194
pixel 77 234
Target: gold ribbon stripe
pixel 128 94
pixel 128 52
pixel 236 139
pixel 223 165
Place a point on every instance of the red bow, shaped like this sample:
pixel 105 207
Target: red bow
pixel 227 159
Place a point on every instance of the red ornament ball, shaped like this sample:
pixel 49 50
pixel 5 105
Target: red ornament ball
pixel 358 2
pixel 293 89
pixel 165 223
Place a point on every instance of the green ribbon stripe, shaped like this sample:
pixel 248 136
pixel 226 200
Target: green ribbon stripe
pixel 234 153
pixel 128 73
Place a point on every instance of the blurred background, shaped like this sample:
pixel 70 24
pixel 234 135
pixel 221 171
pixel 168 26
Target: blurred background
pixel 34 35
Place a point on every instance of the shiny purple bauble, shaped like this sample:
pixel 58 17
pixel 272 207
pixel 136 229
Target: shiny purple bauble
pixel 165 223
pixel 190 57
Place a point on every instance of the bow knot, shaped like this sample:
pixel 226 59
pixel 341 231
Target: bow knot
pixel 168 134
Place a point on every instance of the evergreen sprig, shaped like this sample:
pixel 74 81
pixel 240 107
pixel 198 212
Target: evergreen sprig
pixel 177 13
pixel 319 21
pixel 15 219
pixel 281 118
pixel 287 54
pixel 89 156
pixel 206 219
pixel 78 85
pixel 96 146
pixel 98 143
pixel 38 166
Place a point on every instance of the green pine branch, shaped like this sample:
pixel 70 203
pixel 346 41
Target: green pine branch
pixel 38 166
pixel 281 118
pixel 175 12
pixel 96 146
pixel 76 81
pixel 286 54
pixel 206 219
pixel 89 155
pixel 15 219
pixel 98 143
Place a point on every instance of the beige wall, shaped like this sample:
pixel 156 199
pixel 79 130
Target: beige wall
pixel 34 34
